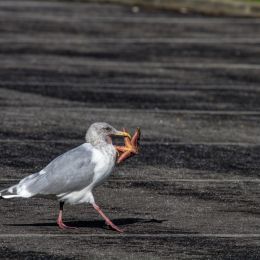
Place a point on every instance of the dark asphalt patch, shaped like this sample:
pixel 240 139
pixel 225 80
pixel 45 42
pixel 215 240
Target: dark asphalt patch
pixel 213 99
pixel 7 253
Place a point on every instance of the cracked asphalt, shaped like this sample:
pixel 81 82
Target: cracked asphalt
pixel 190 82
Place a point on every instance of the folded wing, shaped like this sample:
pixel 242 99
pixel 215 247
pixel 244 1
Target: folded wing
pixel 72 171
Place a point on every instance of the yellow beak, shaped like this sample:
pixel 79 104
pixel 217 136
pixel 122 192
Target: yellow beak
pixel 125 134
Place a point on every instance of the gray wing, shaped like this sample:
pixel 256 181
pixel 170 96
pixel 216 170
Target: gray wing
pixel 70 171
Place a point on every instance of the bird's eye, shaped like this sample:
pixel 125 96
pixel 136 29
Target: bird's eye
pixel 107 128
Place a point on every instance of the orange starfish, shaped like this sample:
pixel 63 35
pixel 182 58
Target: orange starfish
pixel 131 146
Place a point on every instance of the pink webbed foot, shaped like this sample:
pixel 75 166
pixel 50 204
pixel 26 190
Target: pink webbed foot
pixel 63 226
pixel 107 220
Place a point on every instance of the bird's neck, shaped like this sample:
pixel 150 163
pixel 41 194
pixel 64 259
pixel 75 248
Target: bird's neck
pixel 106 148
pixel 100 143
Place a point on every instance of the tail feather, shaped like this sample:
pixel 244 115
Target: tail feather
pixel 9 193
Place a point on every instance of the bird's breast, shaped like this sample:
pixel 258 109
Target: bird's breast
pixel 104 161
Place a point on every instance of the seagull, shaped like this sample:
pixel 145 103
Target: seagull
pixel 72 176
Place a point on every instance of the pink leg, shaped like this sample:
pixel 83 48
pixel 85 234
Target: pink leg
pixel 108 221
pixel 59 220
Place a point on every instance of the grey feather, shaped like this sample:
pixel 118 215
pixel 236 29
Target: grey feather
pixel 70 171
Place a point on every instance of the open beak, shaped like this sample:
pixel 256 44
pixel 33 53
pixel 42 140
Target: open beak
pixel 121 133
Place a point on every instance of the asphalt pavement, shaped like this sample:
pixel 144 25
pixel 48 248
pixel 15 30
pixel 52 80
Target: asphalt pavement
pixel 191 82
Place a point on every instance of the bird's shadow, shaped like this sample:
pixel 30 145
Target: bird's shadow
pixel 91 223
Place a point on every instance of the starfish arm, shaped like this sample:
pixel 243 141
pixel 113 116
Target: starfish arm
pixel 121 148
pixel 136 137
pixel 124 156
pixel 127 142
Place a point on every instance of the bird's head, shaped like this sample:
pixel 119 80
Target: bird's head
pixel 101 132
